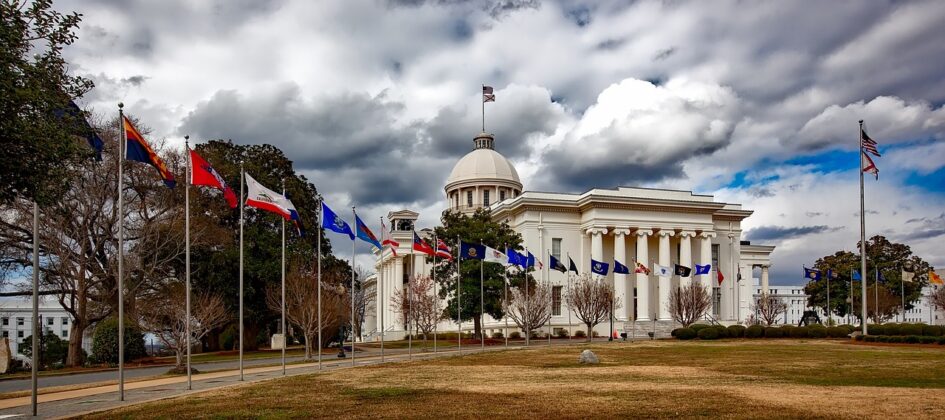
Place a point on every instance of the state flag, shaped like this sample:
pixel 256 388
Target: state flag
pixel 487 95
pixel 856 275
pixel 572 266
pixel 364 233
pixel 721 277
pixel 598 267
pixel 422 246
pixel 812 273
pixel 443 250
pixel 703 269
pixel 620 268
pixel 138 149
pixel 495 256
pixel 908 271
pixel 660 270
pixel 332 222
pixel 935 278
pixel 263 198
pixel 201 173
pixel 556 264
pixel 386 239
pixel 869 166
pixel 74 118
pixel 468 251
pixel 682 271
pixel 516 258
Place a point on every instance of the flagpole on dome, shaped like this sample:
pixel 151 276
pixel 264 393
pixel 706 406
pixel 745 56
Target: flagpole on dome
pixel 190 180
pixel 353 253
pixel 285 341
pixel 121 255
pixel 321 231
pixel 862 230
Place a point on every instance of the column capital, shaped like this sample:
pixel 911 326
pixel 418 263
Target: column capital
pixel 687 233
pixel 707 235
pixel 643 232
pixel 621 231
pixel 666 233
pixel 596 231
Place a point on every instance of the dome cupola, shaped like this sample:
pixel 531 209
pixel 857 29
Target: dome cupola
pixel 481 178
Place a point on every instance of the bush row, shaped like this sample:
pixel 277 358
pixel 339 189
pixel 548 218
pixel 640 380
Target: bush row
pixel 906 330
pixel 911 339
pixel 712 332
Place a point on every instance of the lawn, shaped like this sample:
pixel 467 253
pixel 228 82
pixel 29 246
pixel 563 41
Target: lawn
pixel 738 378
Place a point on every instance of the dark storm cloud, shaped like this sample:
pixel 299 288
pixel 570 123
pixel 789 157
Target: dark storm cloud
pixel 928 227
pixel 560 172
pixel 781 233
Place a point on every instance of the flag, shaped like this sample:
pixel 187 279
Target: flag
pixel 332 222
pixel 82 127
pixel 556 264
pixel 572 266
pixel 364 233
pixel 443 250
pixel 263 198
pixel 495 256
pixel 681 270
pixel 879 277
pixel 721 277
pixel 812 273
pixel 620 268
pixel 515 258
pixel 868 165
pixel 856 275
pixel 469 251
pixel 641 269
pixel 868 144
pixel 598 267
pixel 421 245
pixel 487 95
pixel 661 270
pixel 703 269
pixel 935 278
pixel 386 239
pixel 137 149
pixel 530 261
pixel 908 271
pixel 832 275
pixel 201 173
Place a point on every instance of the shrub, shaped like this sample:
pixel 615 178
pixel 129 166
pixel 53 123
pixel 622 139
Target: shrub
pixel 932 330
pixel 941 341
pixel 497 335
pixel 685 333
pixel 911 339
pixel 928 339
pixel 698 327
pixel 674 331
pixel 755 331
pixel 580 334
pixel 774 332
pixel 859 338
pixel 53 350
pixel 895 339
pixel 800 332
pixel 708 334
pixel 516 335
pixel 562 333
pixel 105 341
pixel 595 333
pixel 837 332
pixel 722 331
pixel 817 332
pixel 910 329
pixel 874 329
pixel 869 338
pixel 892 329
pixel 786 330
pixel 736 331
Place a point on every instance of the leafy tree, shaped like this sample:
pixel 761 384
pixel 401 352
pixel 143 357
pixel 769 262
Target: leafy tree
pixel 36 148
pixel 105 341
pixel 475 228
pixel 52 348
pixel 881 254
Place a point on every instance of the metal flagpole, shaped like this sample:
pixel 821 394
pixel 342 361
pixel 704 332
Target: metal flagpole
pixel 354 243
pixel 828 296
pixel 551 294
pixel 902 292
pixel 570 327
pixel 483 100
pixel 321 231
pixel 459 307
pixel 121 256
pixel 526 317
pixel 188 320
pixel 34 366
pixel 285 340
pixel 505 277
pixel 876 294
pixel 380 305
pixel 482 305
pixel 862 231
pixel 850 297
pixel 436 244
pixel 242 221
pixel 408 324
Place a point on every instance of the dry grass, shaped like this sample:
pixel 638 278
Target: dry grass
pixel 733 379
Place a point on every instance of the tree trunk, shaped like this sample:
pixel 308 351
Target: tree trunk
pixel 308 346
pixel 590 334
pixel 74 358
pixel 477 326
pixel 179 356
pixel 250 332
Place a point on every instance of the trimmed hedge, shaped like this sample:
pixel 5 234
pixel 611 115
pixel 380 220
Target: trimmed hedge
pixel 910 329
pixel 774 332
pixel 708 334
pixel 755 331
pixel 873 329
pixel 685 333
pixel 736 331
pixel 722 331
pixel 800 332
pixel 817 332
pixel 698 327
pixel 837 332
pixel 932 330
pixel 909 339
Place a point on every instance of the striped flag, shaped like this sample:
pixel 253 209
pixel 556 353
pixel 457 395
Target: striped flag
pixel 868 144
pixel 487 95
pixel 386 239
pixel 443 250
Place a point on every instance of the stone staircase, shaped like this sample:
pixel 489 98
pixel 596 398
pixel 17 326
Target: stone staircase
pixel 640 330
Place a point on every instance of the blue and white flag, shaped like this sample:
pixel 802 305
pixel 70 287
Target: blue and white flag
pixel 662 271
pixel 703 269
pixel 812 273
pixel 468 251
pixel 598 267
pixel 332 222
pixel 856 275
pixel 515 258
pixel 620 268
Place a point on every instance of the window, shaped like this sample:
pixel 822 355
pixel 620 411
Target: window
pixel 19 334
pixel 19 321
pixel 65 321
pixel 6 334
pixel 556 301
pixel 468 198
pixel 6 321
pixel 715 256
pixel 65 334
pixel 501 195
pixel 485 198
pixel 556 247
pixel 50 321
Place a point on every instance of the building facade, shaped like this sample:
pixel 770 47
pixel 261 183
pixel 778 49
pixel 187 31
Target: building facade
pixel 16 321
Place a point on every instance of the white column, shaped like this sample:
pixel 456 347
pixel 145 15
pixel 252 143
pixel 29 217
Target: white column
pixel 705 256
pixel 620 280
pixel 664 282
pixel 643 280
pixel 685 254
pixel 597 243
pixel 744 293
pixel 399 285
pixel 764 279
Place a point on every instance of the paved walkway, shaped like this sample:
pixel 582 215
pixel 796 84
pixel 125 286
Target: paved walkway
pixel 98 398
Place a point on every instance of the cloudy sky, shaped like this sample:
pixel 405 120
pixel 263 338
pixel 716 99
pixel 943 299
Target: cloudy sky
pixel 375 100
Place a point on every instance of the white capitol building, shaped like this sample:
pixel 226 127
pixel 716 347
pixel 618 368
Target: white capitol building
pixel 626 224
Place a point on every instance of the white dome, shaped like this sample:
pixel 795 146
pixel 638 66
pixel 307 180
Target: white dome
pixel 483 165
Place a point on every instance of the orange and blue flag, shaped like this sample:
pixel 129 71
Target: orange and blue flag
pixel 137 149
pixel 365 234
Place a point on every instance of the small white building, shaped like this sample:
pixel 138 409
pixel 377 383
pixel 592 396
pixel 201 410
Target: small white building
pixel 16 321
pixel 796 300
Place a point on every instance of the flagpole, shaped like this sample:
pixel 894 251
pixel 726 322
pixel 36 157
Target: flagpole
pixel 242 220
pixel 482 305
pixel 862 230
pixel 902 292
pixel 190 180
pixel 459 307
pixel 34 366
pixel 876 294
pixel 527 308
pixel 121 256
pixel 354 243
pixel 408 324
pixel 551 296
pixel 483 100
pixel 570 327
pixel 505 279
pixel 381 300
pixel 436 244
pixel 285 340
pixel 321 231
pixel 829 272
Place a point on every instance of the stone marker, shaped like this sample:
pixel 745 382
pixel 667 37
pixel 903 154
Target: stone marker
pixel 4 355
pixel 588 357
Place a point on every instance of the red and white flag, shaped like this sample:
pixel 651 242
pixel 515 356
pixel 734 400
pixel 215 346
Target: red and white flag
pixel 869 166
pixel 442 250
pixel 868 144
pixel 387 240
pixel 487 95
pixel 201 173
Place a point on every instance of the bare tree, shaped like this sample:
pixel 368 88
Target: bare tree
pixel 529 311
pixel 592 301
pixel 163 314
pixel 418 306
pixel 937 298
pixel 769 308
pixel 688 303
pixel 364 297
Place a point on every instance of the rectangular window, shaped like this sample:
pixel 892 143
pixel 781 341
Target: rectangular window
pixel 65 320
pixel 717 291
pixel 469 199
pixel 556 247
pixel 485 198
pixel 556 301
pixel 19 334
pixel 50 321
pixel 715 257
pixel 65 334
pixel 501 195
pixel 6 321
pixel 6 334
pixel 19 321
